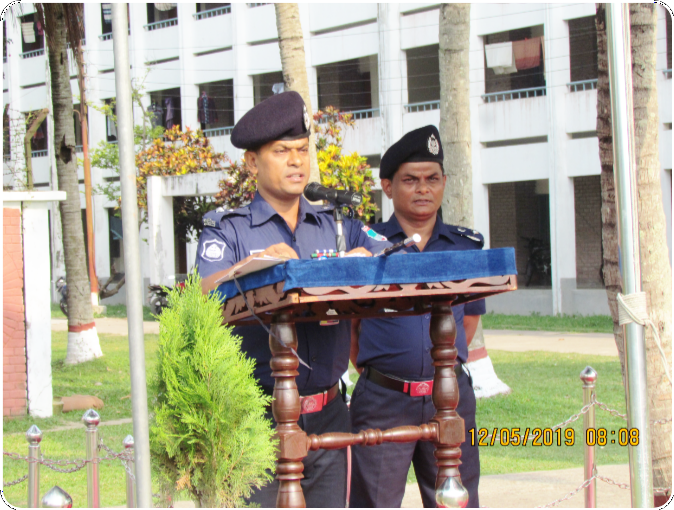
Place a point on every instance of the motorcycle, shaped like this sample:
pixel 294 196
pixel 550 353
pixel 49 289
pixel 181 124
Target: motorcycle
pixel 540 260
pixel 62 289
pixel 158 297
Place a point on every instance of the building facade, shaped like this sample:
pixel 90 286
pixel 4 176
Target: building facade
pixel 533 116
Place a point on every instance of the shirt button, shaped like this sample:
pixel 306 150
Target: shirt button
pixel 427 316
pixel 428 349
pixel 313 358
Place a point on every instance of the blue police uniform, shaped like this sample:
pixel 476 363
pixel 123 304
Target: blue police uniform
pixel 400 347
pixel 230 236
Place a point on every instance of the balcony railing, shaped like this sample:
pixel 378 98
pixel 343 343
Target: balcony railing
pixel 6 157
pixel 356 114
pixel 667 73
pixel 210 13
pixel 222 131
pixel 79 149
pixel 509 95
pixel 576 86
pixel 256 5
pixel 422 107
pixel 161 24
pixel 107 37
pixel 39 154
pixel 31 54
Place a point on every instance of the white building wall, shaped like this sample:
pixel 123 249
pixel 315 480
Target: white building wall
pixel 240 44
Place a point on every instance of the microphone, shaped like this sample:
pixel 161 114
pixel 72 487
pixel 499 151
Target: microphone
pixel 315 192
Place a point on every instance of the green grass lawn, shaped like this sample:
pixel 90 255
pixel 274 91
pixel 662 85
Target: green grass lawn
pixel 115 311
pixel 536 322
pixel 546 390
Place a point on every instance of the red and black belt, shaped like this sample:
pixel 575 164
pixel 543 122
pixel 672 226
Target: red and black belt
pixel 316 402
pixel 412 388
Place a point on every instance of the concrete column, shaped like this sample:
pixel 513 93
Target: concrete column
pixel 189 91
pixel 37 298
pixel 562 220
pixel 161 255
pixel 243 81
pixel 390 83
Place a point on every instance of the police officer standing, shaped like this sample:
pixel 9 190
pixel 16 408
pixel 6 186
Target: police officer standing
pixel 394 354
pixel 280 222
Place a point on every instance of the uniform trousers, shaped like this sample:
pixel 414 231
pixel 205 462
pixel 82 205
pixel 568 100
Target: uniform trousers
pixel 324 482
pixel 379 473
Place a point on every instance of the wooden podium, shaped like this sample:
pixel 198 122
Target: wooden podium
pixel 283 308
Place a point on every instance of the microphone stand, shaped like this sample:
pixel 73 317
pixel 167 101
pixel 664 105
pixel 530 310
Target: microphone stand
pixel 339 221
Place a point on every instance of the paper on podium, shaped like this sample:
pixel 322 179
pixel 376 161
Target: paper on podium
pixel 253 265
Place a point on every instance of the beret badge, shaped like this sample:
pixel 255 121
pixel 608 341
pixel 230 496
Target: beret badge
pixel 307 121
pixel 433 145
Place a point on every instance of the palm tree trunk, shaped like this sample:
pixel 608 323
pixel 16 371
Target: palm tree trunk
pixel 457 203
pixel 83 343
pixel 656 272
pixel 291 45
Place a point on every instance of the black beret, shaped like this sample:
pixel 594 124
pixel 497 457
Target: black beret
pixel 283 116
pixel 422 144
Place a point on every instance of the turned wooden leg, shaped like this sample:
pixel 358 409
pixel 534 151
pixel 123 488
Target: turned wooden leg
pixel 445 393
pixel 286 409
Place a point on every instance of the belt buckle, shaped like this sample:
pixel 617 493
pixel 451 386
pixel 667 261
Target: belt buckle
pixel 311 403
pixel 421 388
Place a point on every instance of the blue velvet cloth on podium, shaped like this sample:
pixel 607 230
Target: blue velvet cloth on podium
pixel 397 268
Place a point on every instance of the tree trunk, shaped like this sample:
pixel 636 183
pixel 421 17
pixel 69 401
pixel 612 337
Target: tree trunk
pixel 291 46
pixel 656 274
pixel 83 344
pixel 457 203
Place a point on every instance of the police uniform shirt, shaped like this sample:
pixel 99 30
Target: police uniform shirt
pixel 231 236
pixel 384 343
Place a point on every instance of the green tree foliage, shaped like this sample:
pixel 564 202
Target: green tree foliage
pixel 337 170
pixel 208 432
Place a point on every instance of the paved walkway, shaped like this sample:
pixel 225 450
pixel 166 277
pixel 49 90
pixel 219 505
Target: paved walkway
pixel 518 490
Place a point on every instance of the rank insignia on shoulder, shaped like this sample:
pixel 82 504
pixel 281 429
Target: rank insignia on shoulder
pixel 208 222
pixel 373 235
pixel 476 239
pixel 213 250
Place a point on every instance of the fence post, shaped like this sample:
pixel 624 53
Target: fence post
pixel 130 489
pixel 589 378
pixel 91 419
pixel 34 436
pixel 56 497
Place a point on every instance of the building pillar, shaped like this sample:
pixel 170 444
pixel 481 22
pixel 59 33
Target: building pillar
pixel 562 220
pixel 161 255
pixel 243 81
pixel 391 83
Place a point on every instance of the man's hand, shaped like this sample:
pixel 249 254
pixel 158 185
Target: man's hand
pixel 359 250
pixel 279 251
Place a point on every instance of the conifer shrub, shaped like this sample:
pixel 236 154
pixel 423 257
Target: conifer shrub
pixel 208 433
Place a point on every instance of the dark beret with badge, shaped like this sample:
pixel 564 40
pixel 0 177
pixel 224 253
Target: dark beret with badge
pixel 420 145
pixel 283 116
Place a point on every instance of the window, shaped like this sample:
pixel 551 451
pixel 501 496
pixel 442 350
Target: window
pixel 215 104
pixel 165 108
pixel 346 85
pixel 155 15
pixel 32 34
pixel 106 18
pixel 531 77
pixel 668 25
pixel 263 83
pixel 423 74
pixel 583 49
pixel 6 145
pixel 208 7
pixel 4 41
pixel 77 124
pixel 110 124
pixel 39 140
pixel 116 241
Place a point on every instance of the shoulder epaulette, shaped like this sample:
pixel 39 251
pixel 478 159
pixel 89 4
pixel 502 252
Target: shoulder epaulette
pixel 213 218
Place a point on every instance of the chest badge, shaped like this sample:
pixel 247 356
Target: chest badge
pixel 213 250
pixel 373 235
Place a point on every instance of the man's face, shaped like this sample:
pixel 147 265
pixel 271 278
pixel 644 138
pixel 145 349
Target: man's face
pixel 281 168
pixel 416 190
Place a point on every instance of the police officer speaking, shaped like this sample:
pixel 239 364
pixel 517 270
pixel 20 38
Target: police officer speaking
pixel 280 222
pixel 396 380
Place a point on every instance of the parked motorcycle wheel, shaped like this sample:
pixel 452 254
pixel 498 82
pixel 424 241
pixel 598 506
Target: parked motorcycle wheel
pixel 156 307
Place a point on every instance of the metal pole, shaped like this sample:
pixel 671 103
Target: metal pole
pixel 622 112
pixel 589 377
pixel 34 436
pixel 91 419
pixel 130 490
pixel 56 497
pixel 134 293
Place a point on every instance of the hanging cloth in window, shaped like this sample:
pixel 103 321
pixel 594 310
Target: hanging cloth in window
pixel 168 104
pixel 38 28
pixel 107 12
pixel 165 7
pixel 527 53
pixel 500 57
pixel 203 113
pixel 28 30
pixel 112 127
